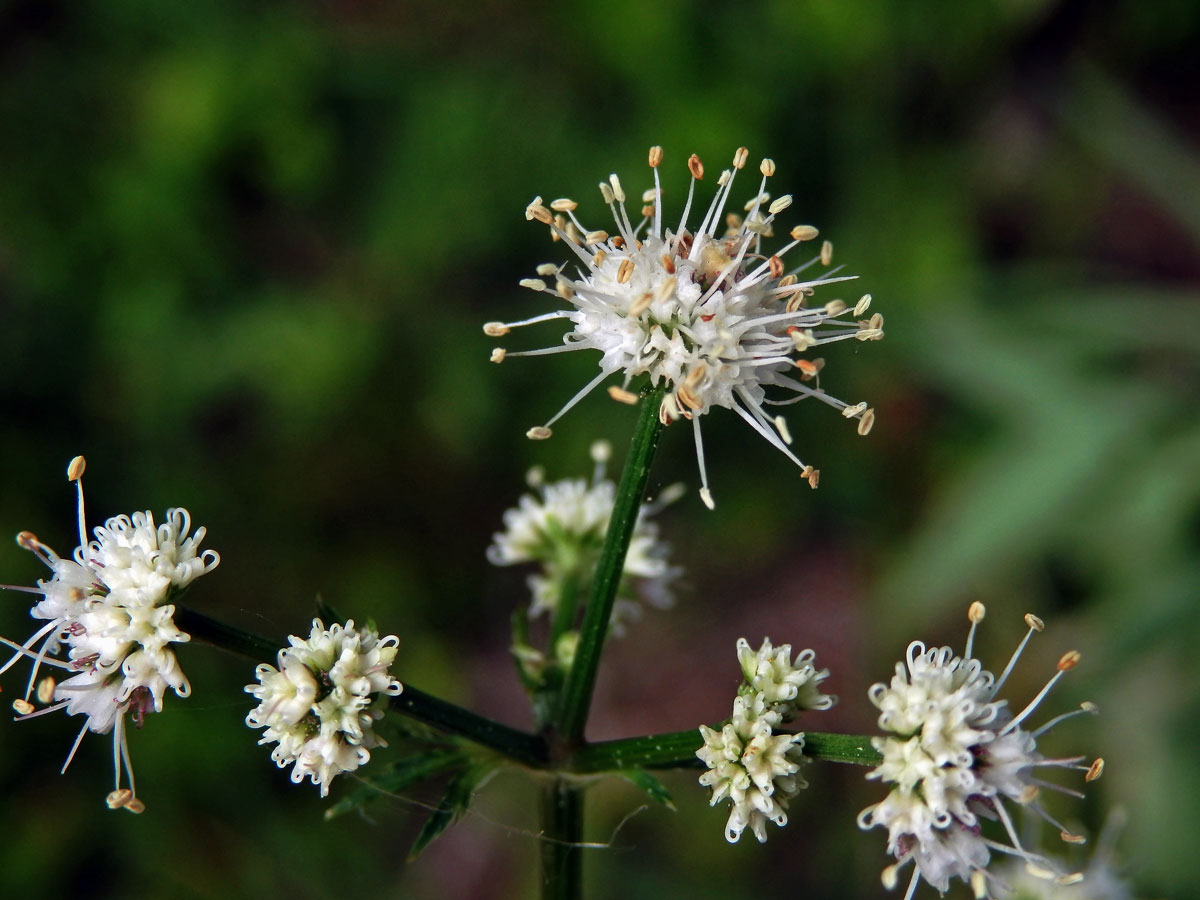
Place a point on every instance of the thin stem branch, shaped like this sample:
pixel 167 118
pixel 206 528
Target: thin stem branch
pixel 576 696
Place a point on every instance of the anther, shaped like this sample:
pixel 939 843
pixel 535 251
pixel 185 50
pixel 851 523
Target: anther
pixel 788 280
pixel 804 233
pixel 889 878
pixel 547 270
pixel 781 426
pixel 1072 838
pixel 495 329
pixel 640 305
pixel 498 354
pixel 707 498
pixel 811 475
pixel 538 433
pixel 1069 660
pixel 564 290
pixel 1067 880
pixel 979 884
pixel 668 264
pixel 75 468
pixel 27 540
pixel 827 253
pixel 733 222
pixel 136 806
pixel 688 396
pixel 595 237
pixel 851 411
pixel 668 410
pixel 623 396
pixel 534 284
pixel 1034 622
pixel 655 156
pixel 1095 770
pixel 22 707
pixel 835 307
pixel 665 289
pixel 779 204
pixel 807 366
pixel 866 422
pixel 597 258
pixel 647 211
pixel 767 167
pixel 1028 794
pixel 775 266
pixel 45 690
pixel 601 451
pixel 625 271
pixel 563 204
pixel 739 157
pixel 535 210
pixel 976 612
pixel 1089 707
pixel 607 193
pixel 863 304
pixel 723 178
pixel 695 167
pixel 119 798
pixel 802 338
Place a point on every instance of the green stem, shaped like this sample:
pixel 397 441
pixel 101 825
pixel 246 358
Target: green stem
pixel 562 833
pixel 564 614
pixel 519 746
pixel 678 751
pixel 577 692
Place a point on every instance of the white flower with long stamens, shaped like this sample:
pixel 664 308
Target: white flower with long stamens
pixel 955 755
pixel 705 311
pixel 320 705
pixel 748 763
pixel 563 529
pixel 110 606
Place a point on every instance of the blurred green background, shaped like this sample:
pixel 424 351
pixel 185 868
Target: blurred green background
pixel 245 252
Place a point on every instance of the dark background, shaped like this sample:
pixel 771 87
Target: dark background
pixel 245 252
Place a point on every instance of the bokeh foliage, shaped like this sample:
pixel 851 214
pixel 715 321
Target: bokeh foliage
pixel 245 250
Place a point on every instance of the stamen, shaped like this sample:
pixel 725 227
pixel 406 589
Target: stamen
pixel 975 613
pixel 866 422
pixel 1095 770
pixel 498 354
pixel 705 493
pixel 1033 622
pixel 75 473
pixel 623 396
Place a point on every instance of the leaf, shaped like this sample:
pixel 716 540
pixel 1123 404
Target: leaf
pixel 651 785
pixel 403 774
pixel 458 796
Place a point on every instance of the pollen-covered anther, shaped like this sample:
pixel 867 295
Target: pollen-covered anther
pixel 495 329
pixel 808 367
pixel 668 410
pixel 779 204
pixel 498 354
pixel 656 155
pixel 866 422
pixel 623 396
pixel 851 411
pixel 1069 660
pixel 595 237
pixel 22 707
pixel 1034 622
pixel 1069 879
pixel 534 284
pixel 625 271
pixel 827 253
pixel 564 204
pixel 811 475
pixel 564 290
pixel 976 612
pixel 767 167
pixel 775 266
pixel 804 233
pixel 835 307
pixel 1095 770
pixel 618 242
pixel 75 468
pixel 695 167
pixel 538 433
pixel 889 877
pixel 45 690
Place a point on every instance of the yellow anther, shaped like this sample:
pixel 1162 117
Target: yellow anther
pixel 534 284
pixel 740 156
pixel 595 237
pixel 625 271
pixel 563 204
pixel 866 422
pixel 495 329
pixel 835 307
pixel 1069 660
pixel 22 707
pixel 1095 770
pixel 538 433
pixel 45 690
pixel 75 468
pixel 623 396
pixel 827 253
pixel 1034 622
pixel 779 204
pixel 655 156
pixel 617 190
pixel 767 167
pixel 976 612
pixel 804 233
pixel 498 354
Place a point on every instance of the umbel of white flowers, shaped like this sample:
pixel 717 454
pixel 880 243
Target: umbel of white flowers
pixel 109 606
pixel 320 705
pixel 562 528
pixel 953 756
pixel 748 763
pixel 707 311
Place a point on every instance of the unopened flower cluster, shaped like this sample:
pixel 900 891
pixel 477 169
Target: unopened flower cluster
pixel 563 529
pixel 109 624
pixel 749 764
pixel 705 311
pixel 954 755
pixel 321 703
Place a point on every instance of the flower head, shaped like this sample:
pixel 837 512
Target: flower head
pixel 321 703
pixel 748 763
pixel 706 311
pixel 954 755
pixel 110 606
pixel 563 529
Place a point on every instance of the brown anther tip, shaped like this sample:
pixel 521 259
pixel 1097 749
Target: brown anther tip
pixel 695 167
pixel 1095 770
pixel 827 253
pixel 75 468
pixel 976 612
pixel 623 396
pixel 498 354
pixel 22 707
pixel 804 233
pixel 538 433
pixel 775 267
pixel 495 329
pixel 1072 838
pixel 1069 660
pixel 655 156
pixel 767 167
pixel 1034 622
pixel 27 540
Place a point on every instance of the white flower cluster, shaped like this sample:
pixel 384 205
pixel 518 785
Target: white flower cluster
pixel 109 606
pixel 748 763
pixel 954 755
pixel 321 704
pixel 563 529
pixel 707 312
